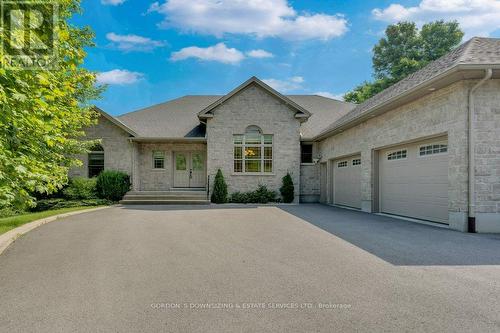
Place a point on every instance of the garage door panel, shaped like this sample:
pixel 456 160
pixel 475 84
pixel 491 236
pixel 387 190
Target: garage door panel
pixel 347 182
pixel 413 185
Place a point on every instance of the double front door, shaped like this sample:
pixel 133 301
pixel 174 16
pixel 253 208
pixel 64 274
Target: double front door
pixel 189 169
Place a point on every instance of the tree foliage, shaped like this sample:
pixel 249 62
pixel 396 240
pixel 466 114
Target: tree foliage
pixel 42 113
pixel 287 190
pixel 219 194
pixel 404 50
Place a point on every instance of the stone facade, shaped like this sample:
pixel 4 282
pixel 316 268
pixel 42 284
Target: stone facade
pixel 487 153
pixel 443 112
pixel 118 150
pixel 254 106
pixel 160 179
pixel 309 179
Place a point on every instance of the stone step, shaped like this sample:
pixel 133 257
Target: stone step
pixel 169 196
pixel 170 201
pixel 168 193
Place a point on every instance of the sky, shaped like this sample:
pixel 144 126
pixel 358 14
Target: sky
pixel 149 52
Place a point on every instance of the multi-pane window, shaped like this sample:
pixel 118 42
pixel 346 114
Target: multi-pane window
pixel 306 153
pixel 433 149
pixel 342 164
pixel 253 151
pixel 158 160
pixel 397 155
pixel 95 161
pixel 356 161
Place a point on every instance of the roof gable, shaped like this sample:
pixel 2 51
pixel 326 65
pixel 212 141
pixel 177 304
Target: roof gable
pixel 116 122
pixel 301 113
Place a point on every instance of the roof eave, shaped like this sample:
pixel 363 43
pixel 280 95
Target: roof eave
pixel 352 122
pixel 168 139
pixel 116 121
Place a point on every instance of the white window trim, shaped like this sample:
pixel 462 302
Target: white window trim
pixel 262 145
pixel 397 159
pixel 435 154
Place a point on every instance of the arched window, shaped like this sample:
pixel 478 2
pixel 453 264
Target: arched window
pixel 253 151
pixel 95 160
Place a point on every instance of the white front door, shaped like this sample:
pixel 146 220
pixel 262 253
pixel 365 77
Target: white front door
pixel 189 169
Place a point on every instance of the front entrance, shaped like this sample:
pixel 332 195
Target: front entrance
pixel 189 169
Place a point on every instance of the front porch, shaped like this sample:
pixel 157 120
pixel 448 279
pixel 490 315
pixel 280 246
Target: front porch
pixel 169 168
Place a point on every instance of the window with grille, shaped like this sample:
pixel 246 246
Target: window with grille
pixel 253 151
pixel 397 155
pixel 158 160
pixel 356 161
pixel 433 149
pixel 342 164
pixel 95 161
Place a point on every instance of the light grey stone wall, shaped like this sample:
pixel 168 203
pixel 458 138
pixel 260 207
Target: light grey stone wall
pixel 117 148
pixel 487 154
pixel 309 179
pixel 160 179
pixel 254 106
pixel 441 112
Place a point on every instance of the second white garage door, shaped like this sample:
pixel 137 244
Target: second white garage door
pixel 347 182
pixel 414 180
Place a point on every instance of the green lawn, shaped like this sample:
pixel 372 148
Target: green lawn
pixel 9 223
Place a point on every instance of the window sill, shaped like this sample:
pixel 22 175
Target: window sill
pixel 253 174
pixel 312 163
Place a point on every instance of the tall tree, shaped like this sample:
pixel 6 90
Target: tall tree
pixel 42 113
pixel 404 50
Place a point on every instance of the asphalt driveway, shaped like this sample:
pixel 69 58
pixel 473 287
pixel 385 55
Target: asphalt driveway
pixel 291 269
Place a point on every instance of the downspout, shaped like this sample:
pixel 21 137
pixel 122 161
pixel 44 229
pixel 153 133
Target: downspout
pixel 471 225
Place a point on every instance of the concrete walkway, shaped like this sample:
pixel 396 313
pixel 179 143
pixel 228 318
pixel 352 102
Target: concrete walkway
pixel 211 269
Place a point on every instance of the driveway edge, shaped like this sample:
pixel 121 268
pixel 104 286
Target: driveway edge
pixel 10 236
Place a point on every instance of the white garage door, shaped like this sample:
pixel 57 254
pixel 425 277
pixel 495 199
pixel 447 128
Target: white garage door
pixel 347 182
pixel 414 180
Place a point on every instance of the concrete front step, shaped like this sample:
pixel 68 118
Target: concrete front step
pixel 177 197
pixel 164 197
pixel 164 202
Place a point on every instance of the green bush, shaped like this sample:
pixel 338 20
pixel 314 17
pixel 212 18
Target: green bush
pixel 112 185
pixel 260 195
pixel 81 188
pixel 219 194
pixel 46 204
pixel 287 189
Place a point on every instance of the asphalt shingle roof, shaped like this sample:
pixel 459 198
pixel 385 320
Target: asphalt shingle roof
pixel 178 118
pixel 476 51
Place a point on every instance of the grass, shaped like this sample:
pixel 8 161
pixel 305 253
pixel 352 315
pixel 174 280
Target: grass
pixel 9 223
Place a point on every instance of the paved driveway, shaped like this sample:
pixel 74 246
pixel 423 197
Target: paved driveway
pixel 299 269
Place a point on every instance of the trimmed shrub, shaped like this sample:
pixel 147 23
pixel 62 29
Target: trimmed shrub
pixel 219 194
pixel 112 185
pixel 46 204
pixel 81 188
pixel 287 189
pixel 260 195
